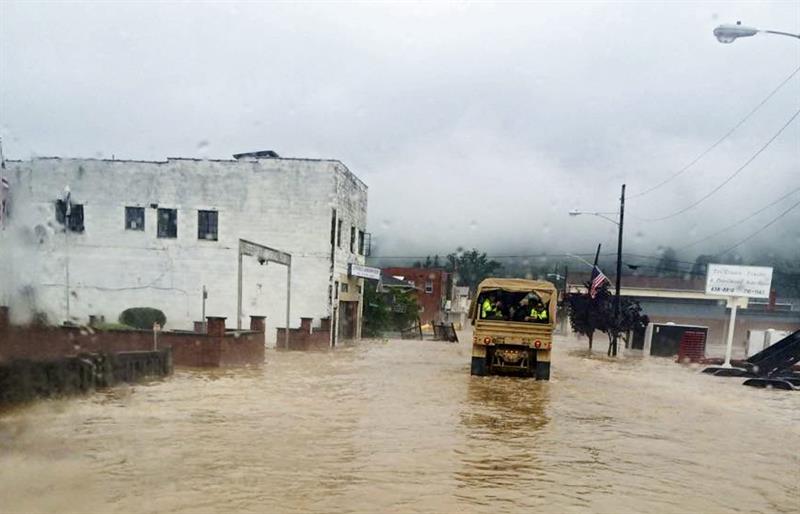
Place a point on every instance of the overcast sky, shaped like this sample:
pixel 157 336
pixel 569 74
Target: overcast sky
pixel 472 124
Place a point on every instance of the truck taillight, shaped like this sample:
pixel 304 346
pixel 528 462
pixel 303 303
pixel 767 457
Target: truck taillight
pixel 537 344
pixel 487 340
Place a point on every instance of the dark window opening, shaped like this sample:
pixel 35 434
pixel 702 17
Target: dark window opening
pixel 352 239
pixel 168 223
pixel 345 287
pixel 429 286
pixel 339 234
pixel 333 228
pixel 361 235
pixel 207 225
pixel 72 220
pixel 134 218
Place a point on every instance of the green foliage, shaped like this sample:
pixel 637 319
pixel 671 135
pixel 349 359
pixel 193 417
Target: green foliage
pixel 390 310
pixel 472 267
pixel 587 315
pixel 142 317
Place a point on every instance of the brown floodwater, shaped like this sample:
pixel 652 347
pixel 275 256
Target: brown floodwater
pixel 400 426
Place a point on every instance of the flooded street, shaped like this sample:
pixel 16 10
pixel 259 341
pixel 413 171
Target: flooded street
pixel 400 426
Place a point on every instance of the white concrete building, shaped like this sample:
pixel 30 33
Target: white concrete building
pixel 154 233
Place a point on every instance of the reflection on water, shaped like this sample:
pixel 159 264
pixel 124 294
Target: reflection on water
pixel 503 418
pixel 402 427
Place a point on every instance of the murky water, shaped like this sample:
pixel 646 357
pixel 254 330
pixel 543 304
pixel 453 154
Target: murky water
pixel 400 426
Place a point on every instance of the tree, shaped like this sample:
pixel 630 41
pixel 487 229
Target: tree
pixel 389 310
pixel 630 320
pixel 701 263
pixel 471 267
pixel 587 315
pixel 668 263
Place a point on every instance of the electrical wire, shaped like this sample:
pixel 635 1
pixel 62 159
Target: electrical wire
pixel 718 141
pixel 730 177
pixel 715 234
pixel 754 234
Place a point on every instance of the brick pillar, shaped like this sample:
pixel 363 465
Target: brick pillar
pixel 257 323
pixel 4 318
pixel 325 325
pixel 216 326
pixel 305 324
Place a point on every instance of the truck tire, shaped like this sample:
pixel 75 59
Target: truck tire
pixel 542 371
pixel 479 367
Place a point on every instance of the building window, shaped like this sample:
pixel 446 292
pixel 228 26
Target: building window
pixel 352 239
pixel 345 287
pixel 168 223
pixel 336 290
pixel 72 220
pixel 429 286
pixel 333 227
pixel 134 218
pixel 339 234
pixel 207 225
pixel 361 242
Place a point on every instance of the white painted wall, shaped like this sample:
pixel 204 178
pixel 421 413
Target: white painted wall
pixel 282 203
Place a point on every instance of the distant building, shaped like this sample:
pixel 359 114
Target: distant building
pixel 153 233
pixel 431 287
pixel 680 301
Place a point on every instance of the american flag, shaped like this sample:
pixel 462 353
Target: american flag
pixel 5 188
pixel 598 277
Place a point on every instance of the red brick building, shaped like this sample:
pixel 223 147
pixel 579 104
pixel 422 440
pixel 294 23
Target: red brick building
pixel 431 286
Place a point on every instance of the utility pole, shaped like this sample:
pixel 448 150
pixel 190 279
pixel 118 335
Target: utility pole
pixel 613 348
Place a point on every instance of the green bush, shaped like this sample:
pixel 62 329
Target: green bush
pixel 142 317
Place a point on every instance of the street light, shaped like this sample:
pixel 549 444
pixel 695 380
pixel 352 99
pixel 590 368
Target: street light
pixel 618 223
pixel 729 33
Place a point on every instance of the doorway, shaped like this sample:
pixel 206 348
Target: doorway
pixel 348 314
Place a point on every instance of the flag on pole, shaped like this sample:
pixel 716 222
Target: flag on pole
pixel 598 277
pixel 5 192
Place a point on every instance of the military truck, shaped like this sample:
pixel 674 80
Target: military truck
pixel 513 323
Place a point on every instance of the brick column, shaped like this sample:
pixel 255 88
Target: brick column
pixel 325 325
pixel 5 322
pixel 305 324
pixel 216 326
pixel 257 323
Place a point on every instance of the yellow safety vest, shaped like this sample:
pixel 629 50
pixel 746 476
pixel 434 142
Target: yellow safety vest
pixel 538 314
pixel 486 308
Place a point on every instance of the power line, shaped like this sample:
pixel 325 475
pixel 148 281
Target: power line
pixel 533 256
pixel 731 177
pixel 754 234
pixel 771 204
pixel 718 141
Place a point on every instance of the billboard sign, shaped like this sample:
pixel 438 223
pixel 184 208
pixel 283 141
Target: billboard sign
pixel 356 270
pixel 744 281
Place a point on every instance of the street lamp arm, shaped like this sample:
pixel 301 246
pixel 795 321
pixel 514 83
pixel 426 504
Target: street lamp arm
pixel 601 215
pixel 781 33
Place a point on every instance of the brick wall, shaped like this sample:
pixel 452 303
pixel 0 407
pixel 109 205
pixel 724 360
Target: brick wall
pixel 188 348
pixel 306 337
pixel 431 303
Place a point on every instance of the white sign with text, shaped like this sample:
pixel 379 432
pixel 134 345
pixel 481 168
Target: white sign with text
pixel 745 281
pixel 357 270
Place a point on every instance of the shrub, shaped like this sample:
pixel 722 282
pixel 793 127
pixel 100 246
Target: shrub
pixel 142 317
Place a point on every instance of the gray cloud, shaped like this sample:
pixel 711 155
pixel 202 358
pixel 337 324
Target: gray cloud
pixel 473 124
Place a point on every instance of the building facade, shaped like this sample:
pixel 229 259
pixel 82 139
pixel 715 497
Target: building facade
pixel 154 234
pixel 431 288
pixel 684 302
